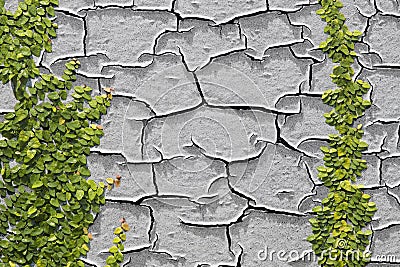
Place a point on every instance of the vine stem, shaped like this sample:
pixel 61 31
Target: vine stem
pixel 339 238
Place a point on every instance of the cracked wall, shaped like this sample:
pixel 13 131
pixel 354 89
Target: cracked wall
pixel 216 124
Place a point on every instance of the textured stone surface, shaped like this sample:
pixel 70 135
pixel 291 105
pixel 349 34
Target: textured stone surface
pixel 74 6
pixel 102 229
pixel 7 98
pixel 390 171
pixel 216 124
pixel 318 194
pixel 315 27
pixel 289 103
pixel 149 258
pixel 274 180
pixel 384 95
pixel 298 127
pixel 218 11
pixel 198 41
pixel 164 85
pixel 268 30
pixel 314 158
pixel 124 3
pixel 389 209
pixel 286 5
pixel 70 38
pixel 11 5
pixel 383 38
pixel 91 65
pixel 320 80
pixel 119 34
pixel 189 176
pixel 236 79
pixel 366 8
pixel 371 176
pixel 222 133
pixel 257 235
pixel 153 4
pixel 388 6
pixel 381 247
pixel 196 245
pixel 137 179
pixel 218 206
pixel 382 137
pixel 119 129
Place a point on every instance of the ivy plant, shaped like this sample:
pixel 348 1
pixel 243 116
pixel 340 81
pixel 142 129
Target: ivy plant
pixel 47 201
pixel 339 230
pixel 117 257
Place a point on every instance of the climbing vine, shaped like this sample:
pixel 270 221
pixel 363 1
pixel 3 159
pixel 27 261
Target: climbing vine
pixel 339 236
pixel 47 201
pixel 117 257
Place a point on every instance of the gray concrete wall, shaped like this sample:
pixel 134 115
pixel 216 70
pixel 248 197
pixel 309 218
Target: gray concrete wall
pixel 216 124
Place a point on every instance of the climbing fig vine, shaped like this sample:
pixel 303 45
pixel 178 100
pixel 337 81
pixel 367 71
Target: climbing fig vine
pixel 117 257
pixel 47 201
pixel 339 230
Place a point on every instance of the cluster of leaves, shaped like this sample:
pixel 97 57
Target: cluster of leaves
pixel 339 225
pixel 24 33
pixel 48 202
pixel 113 182
pixel 117 257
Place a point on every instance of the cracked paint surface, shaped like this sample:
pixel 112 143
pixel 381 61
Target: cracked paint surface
pixel 216 123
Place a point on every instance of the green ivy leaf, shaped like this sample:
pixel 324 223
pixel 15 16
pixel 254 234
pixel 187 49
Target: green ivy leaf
pixel 32 210
pixel 37 184
pixel 113 249
pixel 118 231
pixel 53 96
pixel 92 195
pixel 79 194
pixel 54 202
pixel 111 260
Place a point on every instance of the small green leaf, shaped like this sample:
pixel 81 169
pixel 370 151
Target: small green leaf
pixel 4 244
pixel 122 236
pixel 91 194
pixel 79 194
pixel 37 184
pixel 54 202
pixel 363 145
pixel 118 231
pixel 366 196
pixel 25 51
pixel 31 154
pixel 9 202
pixel 53 96
pixel 111 260
pixel 113 249
pixel 32 210
pixel 347 163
